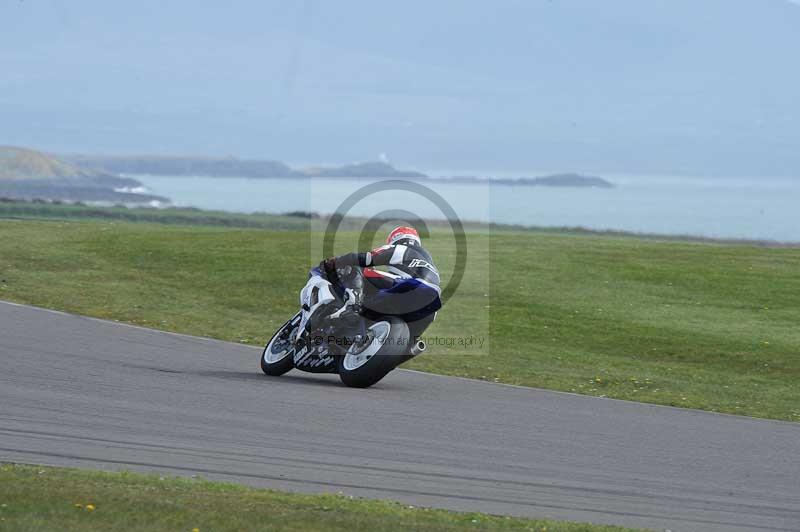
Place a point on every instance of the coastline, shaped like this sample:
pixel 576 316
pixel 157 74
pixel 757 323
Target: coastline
pixel 59 210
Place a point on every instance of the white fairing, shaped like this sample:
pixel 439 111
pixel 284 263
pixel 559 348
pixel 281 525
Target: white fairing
pixel 316 292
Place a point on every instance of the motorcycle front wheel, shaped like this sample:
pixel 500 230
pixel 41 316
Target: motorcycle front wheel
pixel 365 364
pixel 278 356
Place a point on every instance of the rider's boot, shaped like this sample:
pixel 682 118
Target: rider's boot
pixel 351 307
pixel 353 283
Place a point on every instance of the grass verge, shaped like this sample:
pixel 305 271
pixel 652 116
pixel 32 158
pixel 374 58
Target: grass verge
pixel 707 326
pixel 35 498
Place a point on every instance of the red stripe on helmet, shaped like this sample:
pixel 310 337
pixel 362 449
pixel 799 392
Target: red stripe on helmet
pixel 402 232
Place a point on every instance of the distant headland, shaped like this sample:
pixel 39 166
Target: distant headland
pixel 29 174
pixel 229 167
pixel 263 168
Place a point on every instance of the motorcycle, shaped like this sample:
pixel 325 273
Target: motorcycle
pixel 361 348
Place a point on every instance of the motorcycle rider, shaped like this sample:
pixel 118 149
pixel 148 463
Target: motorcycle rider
pixel 409 290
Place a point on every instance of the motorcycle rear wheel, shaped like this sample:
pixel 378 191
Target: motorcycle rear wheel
pixel 363 366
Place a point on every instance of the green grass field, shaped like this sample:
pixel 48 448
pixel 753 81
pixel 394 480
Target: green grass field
pixel 40 499
pixel 699 325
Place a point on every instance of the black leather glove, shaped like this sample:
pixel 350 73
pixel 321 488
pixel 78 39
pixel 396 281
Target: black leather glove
pixel 328 268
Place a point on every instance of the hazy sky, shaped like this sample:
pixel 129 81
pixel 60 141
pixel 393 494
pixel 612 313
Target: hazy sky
pixel 667 86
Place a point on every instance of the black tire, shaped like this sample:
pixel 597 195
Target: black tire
pixel 387 357
pixel 279 367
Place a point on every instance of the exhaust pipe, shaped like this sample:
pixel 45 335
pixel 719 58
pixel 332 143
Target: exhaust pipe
pixel 418 348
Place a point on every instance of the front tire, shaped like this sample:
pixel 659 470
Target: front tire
pixel 278 356
pixel 362 367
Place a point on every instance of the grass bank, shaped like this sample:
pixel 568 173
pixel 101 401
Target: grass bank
pixel 707 326
pixel 43 498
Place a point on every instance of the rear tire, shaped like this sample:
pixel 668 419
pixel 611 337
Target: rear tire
pixel 278 355
pixel 382 355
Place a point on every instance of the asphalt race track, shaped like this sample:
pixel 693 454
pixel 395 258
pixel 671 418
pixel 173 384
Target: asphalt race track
pixel 77 391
